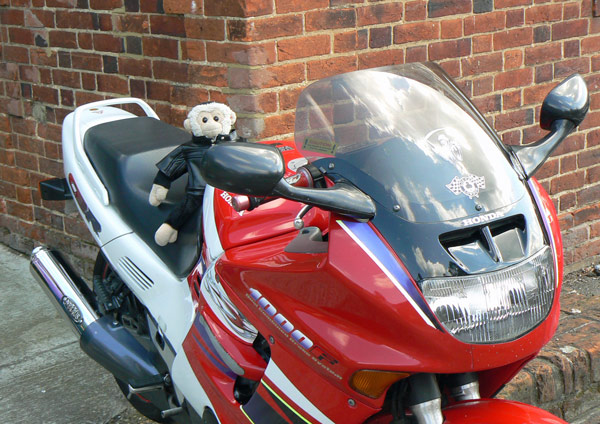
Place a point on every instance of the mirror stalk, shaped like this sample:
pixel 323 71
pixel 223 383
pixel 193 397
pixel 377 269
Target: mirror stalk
pixel 342 198
pixel 533 156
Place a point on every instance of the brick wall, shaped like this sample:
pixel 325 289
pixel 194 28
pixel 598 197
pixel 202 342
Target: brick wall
pixel 257 55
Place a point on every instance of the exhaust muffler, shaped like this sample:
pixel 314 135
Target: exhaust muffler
pixel 105 341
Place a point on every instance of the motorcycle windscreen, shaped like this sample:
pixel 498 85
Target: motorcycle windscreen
pixel 409 139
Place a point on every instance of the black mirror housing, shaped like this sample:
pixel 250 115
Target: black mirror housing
pixel 243 168
pixel 568 100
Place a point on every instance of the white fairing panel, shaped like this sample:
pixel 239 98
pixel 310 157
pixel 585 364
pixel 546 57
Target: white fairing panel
pixel 167 297
pixel 211 235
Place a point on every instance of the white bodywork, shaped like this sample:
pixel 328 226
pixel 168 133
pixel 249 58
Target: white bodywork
pixel 167 297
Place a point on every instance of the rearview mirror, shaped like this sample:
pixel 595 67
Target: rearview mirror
pixel 243 168
pixel 562 111
pixel 568 100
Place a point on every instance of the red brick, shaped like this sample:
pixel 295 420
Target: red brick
pixel 135 67
pixel 238 8
pixel 16 54
pixel 416 54
pixel 511 100
pixel 39 19
pixel 327 67
pixel 171 71
pixel 112 84
pixel 566 182
pixel 375 14
pixel 63 39
pixel 209 75
pixel 330 19
pixel 183 6
pixel 476 65
pixel 487 22
pixel 87 61
pixel 12 17
pixel 167 25
pixel 20 35
pixel 350 41
pixel 9 71
pixel 287 6
pixel 482 85
pixel 266 77
pixel 263 29
pixel 193 50
pixel 590 45
pixel 439 8
pixel 132 23
pixel 513 59
pixel 20 211
pixel 450 49
pixel 289 97
pixel 281 123
pixel 205 29
pixel 108 43
pixel 244 54
pixel 415 10
pixel 26 161
pixel 571 11
pixel 543 53
pixel 16 176
pixel 253 103
pixel 514 119
pixel 380 58
pixel 564 68
pixel 501 4
pixel 569 29
pixel 515 18
pixel 452 28
pixel 160 47
pixel 158 90
pixel 45 94
pixel 42 57
pixel 488 104
pixel 416 32
pixel 535 94
pixel 66 78
pixel 543 13
pixel 513 38
pixel 105 4
pixel 296 48
pixel 85 41
pixel 380 37
pixel 72 19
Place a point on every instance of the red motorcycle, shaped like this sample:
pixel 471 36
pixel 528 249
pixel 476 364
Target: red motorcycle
pixel 394 263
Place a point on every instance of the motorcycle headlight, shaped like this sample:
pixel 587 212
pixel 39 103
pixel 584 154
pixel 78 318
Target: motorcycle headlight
pixel 498 306
pixel 224 308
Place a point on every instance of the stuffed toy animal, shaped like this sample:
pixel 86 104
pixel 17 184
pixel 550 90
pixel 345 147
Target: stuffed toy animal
pixel 209 123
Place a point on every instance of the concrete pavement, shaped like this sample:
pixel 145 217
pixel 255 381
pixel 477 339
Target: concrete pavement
pixel 44 376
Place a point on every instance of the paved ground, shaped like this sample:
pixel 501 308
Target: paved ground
pixel 45 378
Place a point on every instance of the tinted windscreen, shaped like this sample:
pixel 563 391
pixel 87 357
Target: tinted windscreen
pixel 405 142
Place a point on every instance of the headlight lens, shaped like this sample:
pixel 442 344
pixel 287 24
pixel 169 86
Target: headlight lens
pixel 498 306
pixel 224 308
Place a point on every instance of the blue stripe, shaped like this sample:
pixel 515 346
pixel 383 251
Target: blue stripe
pixel 371 240
pixel 212 355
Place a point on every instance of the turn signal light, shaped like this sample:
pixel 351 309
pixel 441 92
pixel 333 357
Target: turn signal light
pixel 374 383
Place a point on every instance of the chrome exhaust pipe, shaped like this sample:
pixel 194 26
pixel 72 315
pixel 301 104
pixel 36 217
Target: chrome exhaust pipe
pixel 105 341
pixel 68 293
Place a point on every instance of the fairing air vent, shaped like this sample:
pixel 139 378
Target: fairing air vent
pixel 481 248
pixel 135 274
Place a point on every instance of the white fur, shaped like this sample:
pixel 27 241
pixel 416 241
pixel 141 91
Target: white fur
pixel 193 124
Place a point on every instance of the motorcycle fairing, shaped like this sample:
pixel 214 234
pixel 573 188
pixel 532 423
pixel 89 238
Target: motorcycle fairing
pixel 407 137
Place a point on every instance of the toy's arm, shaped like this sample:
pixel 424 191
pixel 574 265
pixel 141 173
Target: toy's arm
pixel 170 168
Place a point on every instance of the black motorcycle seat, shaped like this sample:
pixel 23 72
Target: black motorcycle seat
pixel 124 154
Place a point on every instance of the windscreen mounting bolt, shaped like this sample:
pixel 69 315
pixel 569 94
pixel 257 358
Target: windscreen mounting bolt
pixel 396 208
pixel 331 165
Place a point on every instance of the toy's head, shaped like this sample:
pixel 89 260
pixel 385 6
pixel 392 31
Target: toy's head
pixel 210 120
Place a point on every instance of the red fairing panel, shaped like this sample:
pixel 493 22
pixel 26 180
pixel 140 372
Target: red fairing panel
pixel 268 220
pixel 495 411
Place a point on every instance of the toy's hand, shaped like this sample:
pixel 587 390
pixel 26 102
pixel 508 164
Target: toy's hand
pixel 165 235
pixel 157 195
